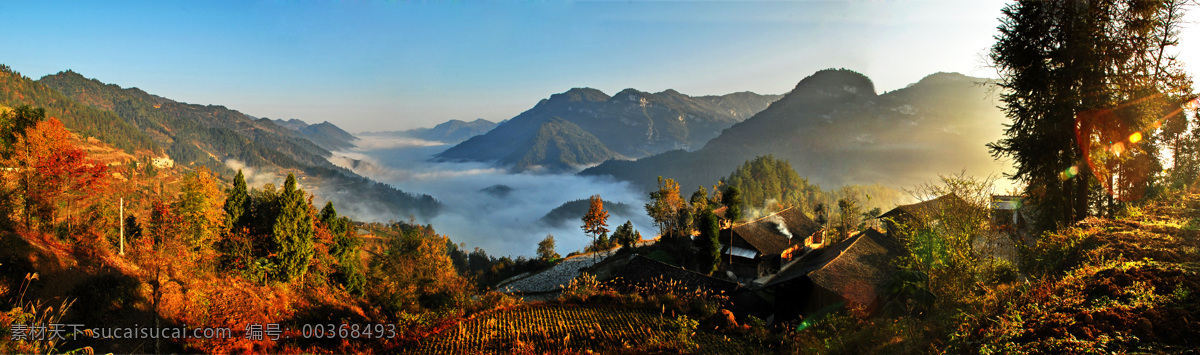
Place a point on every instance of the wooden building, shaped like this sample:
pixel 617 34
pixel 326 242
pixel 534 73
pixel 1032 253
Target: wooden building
pixel 851 272
pixel 760 247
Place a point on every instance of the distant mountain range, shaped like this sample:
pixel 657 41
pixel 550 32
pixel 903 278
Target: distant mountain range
pixel 324 134
pixel 585 126
pixel 449 132
pixel 835 130
pixel 211 135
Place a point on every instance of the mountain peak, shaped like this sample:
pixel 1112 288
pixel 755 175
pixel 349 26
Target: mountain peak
pixel 630 94
pixel 670 92
pixel 944 78
pixel 581 94
pixel 834 81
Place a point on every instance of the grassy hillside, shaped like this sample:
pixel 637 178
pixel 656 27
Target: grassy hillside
pixel 1130 284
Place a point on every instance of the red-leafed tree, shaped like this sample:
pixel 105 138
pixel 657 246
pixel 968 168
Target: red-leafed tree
pixel 54 174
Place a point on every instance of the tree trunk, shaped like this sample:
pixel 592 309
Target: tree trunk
pixel 1081 194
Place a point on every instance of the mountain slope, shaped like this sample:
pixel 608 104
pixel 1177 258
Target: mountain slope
pixel 17 90
pixel 216 136
pixel 835 130
pixel 324 134
pixel 629 124
pixel 557 145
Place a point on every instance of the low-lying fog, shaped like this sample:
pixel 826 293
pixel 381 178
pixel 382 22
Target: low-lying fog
pixel 500 221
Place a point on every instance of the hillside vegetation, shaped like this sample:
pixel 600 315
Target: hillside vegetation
pixel 220 138
pixel 17 90
pixel 196 252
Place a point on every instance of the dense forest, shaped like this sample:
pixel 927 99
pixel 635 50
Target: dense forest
pixel 17 90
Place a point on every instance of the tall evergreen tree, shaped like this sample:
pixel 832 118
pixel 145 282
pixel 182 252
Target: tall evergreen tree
pixel 293 232
pixel 732 198
pixel 1080 79
pixel 709 256
pixel 237 202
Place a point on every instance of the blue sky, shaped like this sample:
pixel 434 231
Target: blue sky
pixel 395 65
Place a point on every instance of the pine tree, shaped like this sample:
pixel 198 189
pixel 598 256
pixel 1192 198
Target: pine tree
pixel 237 202
pixel 1080 79
pixel 732 198
pixel 626 236
pixel 293 232
pixel 710 248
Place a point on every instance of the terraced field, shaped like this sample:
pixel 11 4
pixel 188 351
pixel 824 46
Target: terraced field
pixel 556 277
pixel 565 328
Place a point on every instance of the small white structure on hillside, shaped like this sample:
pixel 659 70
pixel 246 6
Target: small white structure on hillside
pixel 162 162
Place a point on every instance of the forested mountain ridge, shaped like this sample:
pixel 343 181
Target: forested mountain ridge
pixel 630 124
pixel 207 135
pixel 213 136
pixel 834 129
pixel 17 90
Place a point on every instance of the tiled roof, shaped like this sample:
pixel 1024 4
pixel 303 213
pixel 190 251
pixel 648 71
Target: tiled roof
pixel 927 210
pixel 856 268
pixel 770 235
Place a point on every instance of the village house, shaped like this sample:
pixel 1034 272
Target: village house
pixel 853 272
pixel 903 220
pixel 759 248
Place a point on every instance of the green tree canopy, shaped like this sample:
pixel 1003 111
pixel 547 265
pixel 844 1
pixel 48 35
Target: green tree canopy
pixel 1080 79
pixel 293 232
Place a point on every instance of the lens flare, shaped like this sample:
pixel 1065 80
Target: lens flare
pixel 1135 137
pixel 1118 148
pixel 1069 173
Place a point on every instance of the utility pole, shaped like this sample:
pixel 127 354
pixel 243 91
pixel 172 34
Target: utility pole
pixel 121 222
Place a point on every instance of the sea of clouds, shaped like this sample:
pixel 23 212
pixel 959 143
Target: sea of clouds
pixel 501 224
